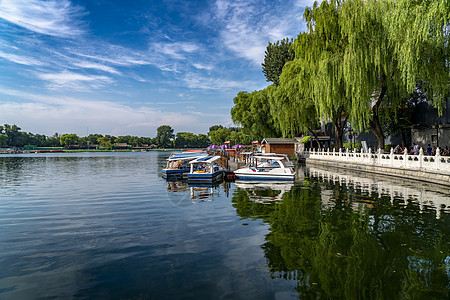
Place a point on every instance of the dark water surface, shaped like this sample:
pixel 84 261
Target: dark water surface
pixel 107 226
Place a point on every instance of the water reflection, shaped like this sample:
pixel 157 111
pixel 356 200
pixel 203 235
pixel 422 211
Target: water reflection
pixel 265 192
pixel 180 191
pixel 348 239
pixel 368 188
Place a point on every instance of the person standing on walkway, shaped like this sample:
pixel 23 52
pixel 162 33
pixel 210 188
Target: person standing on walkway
pixel 429 149
pixel 415 149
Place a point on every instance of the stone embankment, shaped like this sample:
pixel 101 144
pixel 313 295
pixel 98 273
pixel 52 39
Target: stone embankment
pixel 433 169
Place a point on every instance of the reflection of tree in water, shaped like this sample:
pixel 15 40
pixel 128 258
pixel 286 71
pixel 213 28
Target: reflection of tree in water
pixel 381 251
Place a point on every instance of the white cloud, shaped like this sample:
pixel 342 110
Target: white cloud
pixel 23 60
pixel 200 66
pixel 246 29
pixel 176 50
pixel 48 114
pixel 69 79
pixel 52 17
pixel 97 66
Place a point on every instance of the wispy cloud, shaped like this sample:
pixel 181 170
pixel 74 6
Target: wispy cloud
pixel 23 60
pixel 70 79
pixel 68 114
pixel 177 50
pixel 246 29
pixel 97 66
pixel 51 17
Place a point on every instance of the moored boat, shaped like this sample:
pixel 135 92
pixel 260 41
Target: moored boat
pixel 266 168
pixel 178 163
pixel 205 169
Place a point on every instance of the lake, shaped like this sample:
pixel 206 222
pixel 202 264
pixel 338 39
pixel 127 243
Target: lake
pixel 107 225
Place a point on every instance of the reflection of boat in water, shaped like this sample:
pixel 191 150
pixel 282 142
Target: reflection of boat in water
pixel 176 186
pixel 266 168
pixel 265 191
pixel 205 169
pixel 203 192
pixel 178 163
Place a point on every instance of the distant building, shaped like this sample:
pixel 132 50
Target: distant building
pixel 279 145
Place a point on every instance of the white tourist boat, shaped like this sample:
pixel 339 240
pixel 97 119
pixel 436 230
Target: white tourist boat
pixel 178 163
pixel 286 161
pixel 265 168
pixel 205 169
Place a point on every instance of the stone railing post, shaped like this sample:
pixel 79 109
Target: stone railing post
pixel 391 156
pixel 420 157
pixel 437 161
pixel 379 156
pixel 405 157
pixel 346 154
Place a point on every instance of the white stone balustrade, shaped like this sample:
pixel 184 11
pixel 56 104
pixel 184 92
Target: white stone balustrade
pixel 421 162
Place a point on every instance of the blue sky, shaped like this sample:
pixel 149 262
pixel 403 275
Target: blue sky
pixel 126 67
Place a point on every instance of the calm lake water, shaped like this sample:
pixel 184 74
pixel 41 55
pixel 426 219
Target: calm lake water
pixel 107 226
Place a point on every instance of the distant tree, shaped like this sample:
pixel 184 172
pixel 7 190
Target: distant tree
pixel 214 128
pixel 13 132
pixel 69 139
pixel 253 112
pixel 164 136
pixel 105 142
pixel 277 54
pixel 203 141
pixel 53 141
pixel 3 140
pixel 219 136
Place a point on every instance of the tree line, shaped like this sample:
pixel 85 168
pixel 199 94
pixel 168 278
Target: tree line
pixel 363 63
pixel 13 136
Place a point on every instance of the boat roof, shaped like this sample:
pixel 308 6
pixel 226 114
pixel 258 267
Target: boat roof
pixel 205 159
pixel 269 157
pixel 185 156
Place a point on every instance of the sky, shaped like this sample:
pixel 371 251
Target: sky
pixel 126 67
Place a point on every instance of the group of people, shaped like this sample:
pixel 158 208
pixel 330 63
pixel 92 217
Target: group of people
pixel 416 150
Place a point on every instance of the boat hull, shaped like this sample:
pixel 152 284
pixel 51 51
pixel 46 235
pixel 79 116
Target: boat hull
pixel 205 177
pixel 265 177
pixel 250 174
pixel 174 172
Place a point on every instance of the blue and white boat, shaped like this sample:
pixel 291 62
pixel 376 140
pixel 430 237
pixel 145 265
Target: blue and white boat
pixel 266 168
pixel 205 169
pixel 178 163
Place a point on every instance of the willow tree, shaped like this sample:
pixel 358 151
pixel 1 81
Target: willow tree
pixel 294 112
pixel 320 51
pixel 419 31
pixel 252 111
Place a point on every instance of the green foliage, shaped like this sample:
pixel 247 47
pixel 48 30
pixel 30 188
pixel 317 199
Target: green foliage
pixel 219 136
pixel 164 136
pixel 190 140
pixel 276 56
pixel 253 112
pixel 352 146
pixel 419 33
pixel 3 140
pixel 69 139
pixel 305 139
pixel 105 142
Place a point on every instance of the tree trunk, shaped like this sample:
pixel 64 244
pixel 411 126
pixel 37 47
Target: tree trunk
pixel 339 126
pixel 375 127
pixel 374 124
pixel 317 139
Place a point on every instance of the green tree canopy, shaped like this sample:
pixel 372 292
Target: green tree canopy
pixel 164 136
pixel 69 139
pixel 276 56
